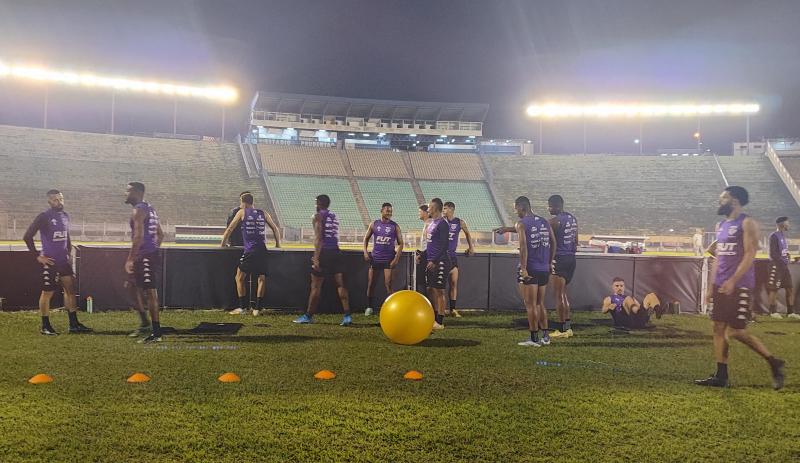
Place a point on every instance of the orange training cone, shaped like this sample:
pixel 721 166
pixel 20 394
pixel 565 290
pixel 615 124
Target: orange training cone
pixel 138 378
pixel 413 375
pixel 229 378
pixel 325 374
pixel 41 378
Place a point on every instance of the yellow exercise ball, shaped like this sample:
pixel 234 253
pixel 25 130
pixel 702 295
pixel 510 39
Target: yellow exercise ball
pixel 407 317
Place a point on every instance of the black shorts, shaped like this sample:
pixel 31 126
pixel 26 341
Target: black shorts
pixel 331 262
pixel 733 310
pixel 51 275
pixel 437 276
pixel 379 265
pixel 779 277
pixel 145 268
pixel 565 267
pixel 254 262
pixel 535 278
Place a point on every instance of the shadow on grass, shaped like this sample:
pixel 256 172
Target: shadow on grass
pixel 110 333
pixel 266 339
pixel 631 343
pixel 449 343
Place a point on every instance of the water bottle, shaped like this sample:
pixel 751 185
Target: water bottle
pixel 89 304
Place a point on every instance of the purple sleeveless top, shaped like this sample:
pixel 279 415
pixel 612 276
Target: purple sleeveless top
pixel 435 247
pixel 384 236
pixel 55 236
pixel 453 232
pixel 566 234
pixel 781 254
pixel 537 239
pixel 149 234
pixel 254 229
pixel 730 250
pixel 330 229
pixel 617 300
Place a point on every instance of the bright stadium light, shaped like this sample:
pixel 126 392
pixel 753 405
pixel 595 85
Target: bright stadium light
pixel 221 94
pixel 604 110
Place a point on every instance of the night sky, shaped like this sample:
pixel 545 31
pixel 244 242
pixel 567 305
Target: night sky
pixel 504 53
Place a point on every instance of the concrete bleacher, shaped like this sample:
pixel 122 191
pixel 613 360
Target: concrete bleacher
pixel 615 194
pixel 189 182
pixel 397 192
pixel 294 197
pixel 472 199
pixel 769 197
pixel 377 163
pixel 301 160
pixel 453 166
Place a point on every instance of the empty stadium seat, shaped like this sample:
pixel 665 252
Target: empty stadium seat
pixel 301 159
pixel 377 163
pixel 446 166
pixel 397 192
pixel 295 195
pixel 472 199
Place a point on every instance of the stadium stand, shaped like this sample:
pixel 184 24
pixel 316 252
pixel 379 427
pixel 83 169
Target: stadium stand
pixel 446 166
pixel 377 163
pixel 301 160
pixel 189 182
pixel 397 192
pixel 792 164
pixel 769 197
pixel 473 202
pixel 295 195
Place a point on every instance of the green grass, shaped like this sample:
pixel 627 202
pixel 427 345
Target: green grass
pixel 614 397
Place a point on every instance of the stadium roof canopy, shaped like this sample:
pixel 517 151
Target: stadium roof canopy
pixel 368 109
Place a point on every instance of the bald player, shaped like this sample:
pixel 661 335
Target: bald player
pixel 456 225
pixel 565 229
pixel 53 228
pixel 387 247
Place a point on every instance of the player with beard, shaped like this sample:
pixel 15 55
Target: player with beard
pixel 143 260
pixel 565 228
pixel 455 225
pixel 734 279
pixel 437 267
pixel 53 228
pixel 387 246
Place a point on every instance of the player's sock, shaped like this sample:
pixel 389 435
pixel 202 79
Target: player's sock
pixel 259 302
pixel 73 319
pixel 535 336
pixel 545 334
pixel 143 320
pixel 452 305
pixel 371 302
pixel 156 328
pixel 439 319
pixel 722 371
pixel 773 308
pixel 46 322
pixel 243 303
pixel 567 325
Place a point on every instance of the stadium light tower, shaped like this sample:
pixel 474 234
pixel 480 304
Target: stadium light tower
pixel 639 111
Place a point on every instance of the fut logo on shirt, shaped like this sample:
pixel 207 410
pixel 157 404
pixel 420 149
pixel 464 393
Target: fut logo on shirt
pixel 382 240
pixel 726 249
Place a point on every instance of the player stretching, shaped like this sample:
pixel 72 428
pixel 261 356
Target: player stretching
pixel 456 225
pixel 327 261
pixel 536 249
pixel 385 254
pixel 565 229
pixel 734 279
pixel 143 260
pixel 779 276
pixel 53 228
pixel 438 262
pixel 253 223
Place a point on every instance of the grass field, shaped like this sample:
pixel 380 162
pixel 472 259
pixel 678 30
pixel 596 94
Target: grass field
pixel 614 397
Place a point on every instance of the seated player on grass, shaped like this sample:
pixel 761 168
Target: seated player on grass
pixel 625 310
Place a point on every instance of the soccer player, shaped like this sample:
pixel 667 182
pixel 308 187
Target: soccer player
pixel 456 225
pixel 626 311
pixel 236 236
pixel 327 261
pixel 565 229
pixel 387 246
pixel 536 251
pixel 779 277
pixel 53 228
pixel 253 225
pixel 437 266
pixel 143 260
pixel 421 257
pixel 734 279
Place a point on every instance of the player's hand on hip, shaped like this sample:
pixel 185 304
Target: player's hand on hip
pixel 44 260
pixel 129 266
pixel 727 287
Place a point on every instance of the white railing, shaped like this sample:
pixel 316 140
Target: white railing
pixel 783 173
